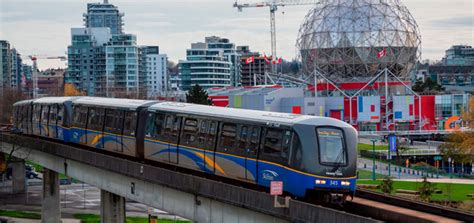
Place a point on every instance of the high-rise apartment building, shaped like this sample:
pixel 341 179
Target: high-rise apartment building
pixel 105 61
pixel 104 15
pixel 10 67
pixel 230 53
pixel 15 79
pixel 86 59
pixel 462 55
pixel 5 64
pixel 204 66
pixel 154 68
pixel 122 70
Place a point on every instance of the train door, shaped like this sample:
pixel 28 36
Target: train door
pixel 173 123
pixel 60 123
pixel 129 139
pixel 52 125
pixel 251 153
pixel 209 138
pixel 44 126
pixel 230 157
pixel 78 127
pixel 36 119
pixel 95 125
pixel 155 146
pixel 112 135
pixel 191 154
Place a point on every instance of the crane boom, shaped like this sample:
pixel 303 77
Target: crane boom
pixel 273 5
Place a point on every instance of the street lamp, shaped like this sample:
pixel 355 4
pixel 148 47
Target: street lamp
pixel 373 158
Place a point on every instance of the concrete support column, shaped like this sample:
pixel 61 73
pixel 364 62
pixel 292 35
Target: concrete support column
pixel 51 206
pixel 18 176
pixel 112 207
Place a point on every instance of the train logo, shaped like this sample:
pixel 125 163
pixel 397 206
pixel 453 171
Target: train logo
pixel 269 175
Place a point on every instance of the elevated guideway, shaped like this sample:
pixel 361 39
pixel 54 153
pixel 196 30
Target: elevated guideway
pixel 189 196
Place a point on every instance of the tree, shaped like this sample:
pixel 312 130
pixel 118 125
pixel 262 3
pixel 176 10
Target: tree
pixel 197 95
pixel 387 185
pixel 428 87
pixel 8 98
pixel 70 90
pixel 460 144
pixel 426 189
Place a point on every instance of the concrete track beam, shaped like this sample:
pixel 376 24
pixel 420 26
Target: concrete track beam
pixel 187 205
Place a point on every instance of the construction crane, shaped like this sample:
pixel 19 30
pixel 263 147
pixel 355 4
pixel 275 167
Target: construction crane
pixel 273 5
pixel 34 72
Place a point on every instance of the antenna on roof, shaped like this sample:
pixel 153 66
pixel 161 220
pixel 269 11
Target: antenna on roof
pixel 106 1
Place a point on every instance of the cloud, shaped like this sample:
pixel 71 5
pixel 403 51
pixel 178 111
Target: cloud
pixel 455 23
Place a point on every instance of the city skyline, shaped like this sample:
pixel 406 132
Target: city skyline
pixel 173 25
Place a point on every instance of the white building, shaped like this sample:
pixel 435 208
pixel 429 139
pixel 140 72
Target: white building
pixel 157 75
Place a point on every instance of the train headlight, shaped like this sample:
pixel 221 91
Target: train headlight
pixel 345 183
pixel 320 182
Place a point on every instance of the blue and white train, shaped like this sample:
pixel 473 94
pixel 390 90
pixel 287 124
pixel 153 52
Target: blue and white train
pixel 313 156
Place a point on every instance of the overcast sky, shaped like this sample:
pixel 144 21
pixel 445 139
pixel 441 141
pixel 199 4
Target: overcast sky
pixel 42 27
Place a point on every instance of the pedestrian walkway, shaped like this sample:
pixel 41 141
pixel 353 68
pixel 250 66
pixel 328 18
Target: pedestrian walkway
pixel 398 172
pixel 444 180
pixel 23 220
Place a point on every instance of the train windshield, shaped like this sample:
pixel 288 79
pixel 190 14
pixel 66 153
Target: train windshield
pixel 332 149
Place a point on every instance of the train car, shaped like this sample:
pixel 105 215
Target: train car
pixel 51 117
pixel 22 114
pixel 111 124
pixel 312 156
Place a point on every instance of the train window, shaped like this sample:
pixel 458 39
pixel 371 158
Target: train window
pixel 228 136
pixel 44 114
pixel 190 130
pixel 130 123
pixel 60 114
pixel 243 138
pixel 113 121
pixel 36 113
pixel 150 125
pixel 80 116
pixel 96 119
pixel 332 150
pixel 172 127
pixel 276 145
pixel 53 111
pixel 159 124
pixel 297 156
pixel 254 140
pixel 203 131
pixel 211 136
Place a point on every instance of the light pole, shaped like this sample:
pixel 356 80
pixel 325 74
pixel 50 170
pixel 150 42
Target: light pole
pixel 373 158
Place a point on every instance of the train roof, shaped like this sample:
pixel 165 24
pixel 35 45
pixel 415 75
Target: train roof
pixel 53 100
pixel 235 113
pixel 23 102
pixel 131 104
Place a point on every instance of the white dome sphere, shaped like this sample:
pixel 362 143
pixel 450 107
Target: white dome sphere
pixel 352 40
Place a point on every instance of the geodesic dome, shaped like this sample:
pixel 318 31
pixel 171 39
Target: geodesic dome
pixel 352 40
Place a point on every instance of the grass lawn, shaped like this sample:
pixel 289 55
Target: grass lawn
pixel 362 146
pixel 20 214
pixel 451 192
pixel 365 174
pixel 93 218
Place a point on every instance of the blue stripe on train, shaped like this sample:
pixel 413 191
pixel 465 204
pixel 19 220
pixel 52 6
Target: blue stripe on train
pixel 294 181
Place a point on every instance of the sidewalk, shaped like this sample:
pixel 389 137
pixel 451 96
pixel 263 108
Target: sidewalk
pixel 23 220
pixel 405 173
